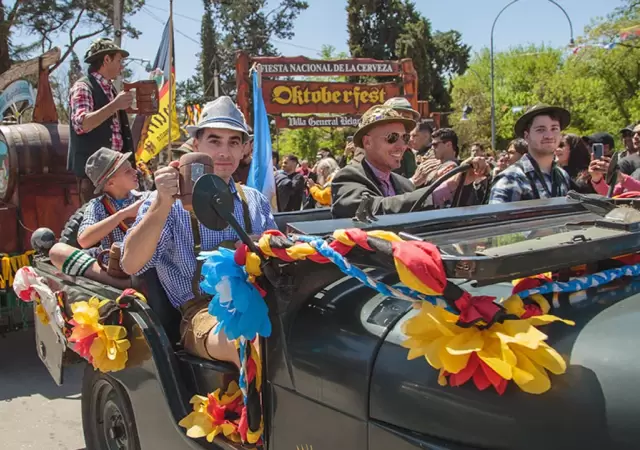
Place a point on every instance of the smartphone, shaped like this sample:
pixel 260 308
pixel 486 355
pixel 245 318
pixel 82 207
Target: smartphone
pixel 597 150
pixel 349 138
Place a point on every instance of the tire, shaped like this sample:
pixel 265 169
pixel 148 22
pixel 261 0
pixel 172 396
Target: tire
pixel 69 233
pixel 107 417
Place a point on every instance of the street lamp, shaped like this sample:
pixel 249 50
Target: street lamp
pixel 493 100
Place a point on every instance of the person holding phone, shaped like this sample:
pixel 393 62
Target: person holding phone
pixel 631 163
pixel 588 165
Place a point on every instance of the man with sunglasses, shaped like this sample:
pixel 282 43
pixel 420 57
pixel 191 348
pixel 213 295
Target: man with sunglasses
pixel 384 134
pixel 444 143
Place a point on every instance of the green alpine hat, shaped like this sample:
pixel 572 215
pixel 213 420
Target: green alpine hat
pixel 100 47
pixel 378 115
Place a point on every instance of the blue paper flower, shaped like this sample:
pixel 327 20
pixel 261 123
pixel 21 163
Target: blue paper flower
pixel 240 309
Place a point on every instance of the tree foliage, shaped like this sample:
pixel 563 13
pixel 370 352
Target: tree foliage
pixel 208 64
pixel 229 26
pixel 394 29
pixel 599 85
pixel 47 21
pixel 248 25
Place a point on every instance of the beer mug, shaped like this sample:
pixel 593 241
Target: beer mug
pixel 145 101
pixel 113 265
pixel 192 166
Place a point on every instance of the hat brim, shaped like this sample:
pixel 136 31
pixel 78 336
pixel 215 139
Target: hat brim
pixel 122 159
pixel 92 58
pixel 416 114
pixel 563 115
pixel 193 129
pixel 409 124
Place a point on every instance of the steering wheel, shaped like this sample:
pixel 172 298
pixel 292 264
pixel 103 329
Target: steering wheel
pixel 442 179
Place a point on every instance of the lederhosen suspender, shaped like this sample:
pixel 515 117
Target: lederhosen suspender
pixel 197 241
pixel 110 208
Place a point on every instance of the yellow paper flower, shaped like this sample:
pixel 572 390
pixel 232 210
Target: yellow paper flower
pixel 87 313
pixel 208 418
pixel 109 349
pixel 514 350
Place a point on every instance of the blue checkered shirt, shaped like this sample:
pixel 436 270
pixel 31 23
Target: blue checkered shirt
pixel 95 212
pixel 513 184
pixel 174 258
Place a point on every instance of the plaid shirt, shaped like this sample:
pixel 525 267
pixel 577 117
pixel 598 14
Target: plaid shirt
pixel 95 212
pixel 514 183
pixel 81 103
pixel 174 258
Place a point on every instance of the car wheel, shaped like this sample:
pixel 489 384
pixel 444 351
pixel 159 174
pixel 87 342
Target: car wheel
pixel 107 416
pixel 69 233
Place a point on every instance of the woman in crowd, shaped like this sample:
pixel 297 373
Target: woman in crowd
pixel 587 174
pixel 573 156
pixel 321 190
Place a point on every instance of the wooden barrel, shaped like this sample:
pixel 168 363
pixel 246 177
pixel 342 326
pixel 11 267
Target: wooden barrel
pixel 31 150
pixel 34 177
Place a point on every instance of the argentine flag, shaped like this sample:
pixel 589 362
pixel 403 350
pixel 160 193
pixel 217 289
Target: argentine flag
pixel 261 170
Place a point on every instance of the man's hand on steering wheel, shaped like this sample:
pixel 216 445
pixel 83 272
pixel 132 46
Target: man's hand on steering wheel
pixel 478 171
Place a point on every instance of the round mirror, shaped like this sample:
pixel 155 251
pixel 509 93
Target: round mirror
pixel 212 202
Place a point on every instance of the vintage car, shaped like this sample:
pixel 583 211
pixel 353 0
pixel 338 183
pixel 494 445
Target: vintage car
pixel 335 373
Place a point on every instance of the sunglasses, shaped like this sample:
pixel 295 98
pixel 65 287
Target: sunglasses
pixel 392 138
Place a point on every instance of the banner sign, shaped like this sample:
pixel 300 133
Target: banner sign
pixel 18 91
pixel 348 120
pixel 310 97
pixel 282 66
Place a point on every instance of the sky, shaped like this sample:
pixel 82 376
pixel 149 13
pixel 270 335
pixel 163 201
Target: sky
pixel 324 22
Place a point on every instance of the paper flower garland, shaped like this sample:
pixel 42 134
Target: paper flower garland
pixel 236 303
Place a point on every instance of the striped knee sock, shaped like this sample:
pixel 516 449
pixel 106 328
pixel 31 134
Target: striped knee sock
pixel 77 263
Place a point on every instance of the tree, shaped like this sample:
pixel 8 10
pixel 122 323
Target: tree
pixel 615 64
pixel 394 29
pixel 597 82
pixel 49 20
pixel 189 92
pixel 245 25
pixel 208 64
pixel 75 69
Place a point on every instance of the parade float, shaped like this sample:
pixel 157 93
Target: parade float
pixel 35 188
pixel 501 326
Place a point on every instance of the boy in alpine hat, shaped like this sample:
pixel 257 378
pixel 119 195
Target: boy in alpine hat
pixel 106 218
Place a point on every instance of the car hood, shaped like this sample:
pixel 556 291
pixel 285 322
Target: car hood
pixel 591 406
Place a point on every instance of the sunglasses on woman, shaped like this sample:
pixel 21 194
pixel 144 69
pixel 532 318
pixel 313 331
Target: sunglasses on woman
pixel 392 138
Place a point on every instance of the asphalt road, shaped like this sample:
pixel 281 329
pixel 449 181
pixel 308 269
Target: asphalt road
pixel 34 412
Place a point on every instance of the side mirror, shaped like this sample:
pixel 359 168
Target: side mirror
pixel 213 207
pixel 212 202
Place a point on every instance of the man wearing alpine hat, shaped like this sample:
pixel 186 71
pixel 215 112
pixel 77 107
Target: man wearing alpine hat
pixel 168 238
pixel 402 106
pixel 535 175
pixel 97 112
pixel 384 135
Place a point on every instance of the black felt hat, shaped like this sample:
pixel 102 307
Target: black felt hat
pixel 538 110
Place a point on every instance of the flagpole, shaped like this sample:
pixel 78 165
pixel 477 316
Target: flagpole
pixel 169 153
